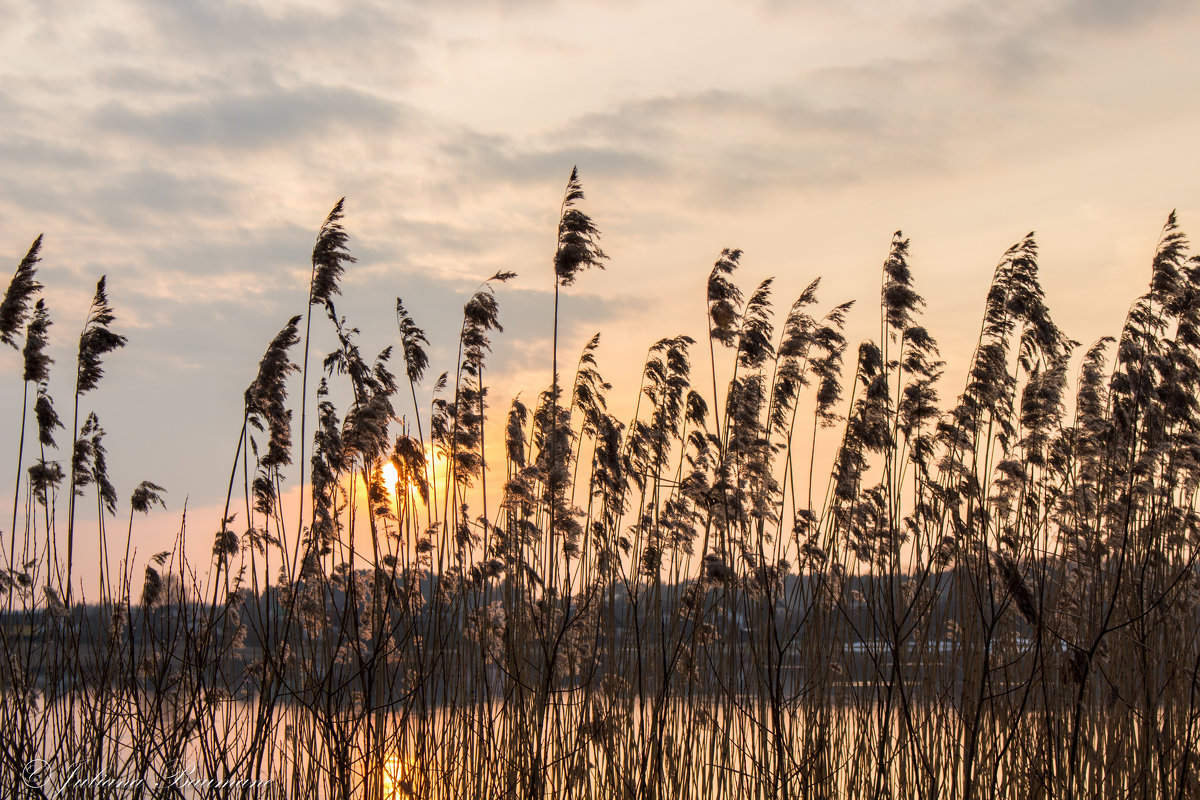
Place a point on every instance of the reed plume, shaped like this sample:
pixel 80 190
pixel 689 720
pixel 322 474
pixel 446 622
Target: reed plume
pixel 266 410
pixel 330 256
pixel 96 341
pixel 37 372
pixel 15 306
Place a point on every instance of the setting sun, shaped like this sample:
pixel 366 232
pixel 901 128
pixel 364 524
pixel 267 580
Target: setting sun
pixel 412 477
pixel 391 476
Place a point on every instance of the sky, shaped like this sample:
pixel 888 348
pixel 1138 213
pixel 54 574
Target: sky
pixel 189 150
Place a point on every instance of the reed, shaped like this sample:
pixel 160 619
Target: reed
pixel 991 597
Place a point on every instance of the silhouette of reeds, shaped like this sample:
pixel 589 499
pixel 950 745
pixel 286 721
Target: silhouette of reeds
pixel 993 597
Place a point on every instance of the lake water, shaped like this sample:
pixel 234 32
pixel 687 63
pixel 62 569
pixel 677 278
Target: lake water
pixel 579 746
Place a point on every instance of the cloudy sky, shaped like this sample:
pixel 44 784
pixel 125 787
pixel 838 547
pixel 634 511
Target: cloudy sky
pixel 189 149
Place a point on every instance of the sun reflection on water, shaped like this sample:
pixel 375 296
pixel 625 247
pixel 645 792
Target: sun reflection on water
pixel 400 779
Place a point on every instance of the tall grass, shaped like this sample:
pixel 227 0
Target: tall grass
pixel 993 596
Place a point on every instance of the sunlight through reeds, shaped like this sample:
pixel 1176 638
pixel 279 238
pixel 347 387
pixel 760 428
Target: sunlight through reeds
pixel 993 595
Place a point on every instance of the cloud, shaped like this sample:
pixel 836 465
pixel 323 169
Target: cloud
pixel 128 198
pixel 506 158
pixel 1118 16
pixel 267 117
pixel 222 29
pixel 751 144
